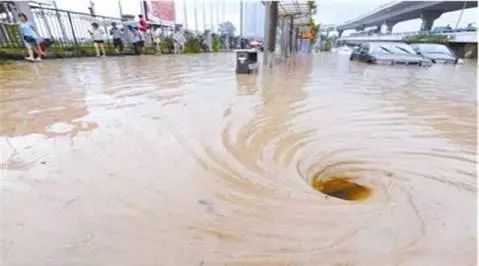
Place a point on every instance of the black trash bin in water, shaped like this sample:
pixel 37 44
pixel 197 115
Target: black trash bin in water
pixel 246 61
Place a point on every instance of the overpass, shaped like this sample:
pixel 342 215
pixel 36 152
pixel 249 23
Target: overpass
pixel 454 37
pixel 395 12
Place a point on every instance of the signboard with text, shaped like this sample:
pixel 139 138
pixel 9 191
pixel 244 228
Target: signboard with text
pixel 162 12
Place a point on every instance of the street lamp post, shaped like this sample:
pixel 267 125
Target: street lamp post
pixel 211 17
pixel 196 17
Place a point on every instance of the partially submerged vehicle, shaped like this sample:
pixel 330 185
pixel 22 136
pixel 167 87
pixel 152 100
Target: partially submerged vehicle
pixel 389 53
pixel 437 53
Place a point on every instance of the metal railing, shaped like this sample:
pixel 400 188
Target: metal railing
pixel 65 28
pixel 68 27
pixel 8 30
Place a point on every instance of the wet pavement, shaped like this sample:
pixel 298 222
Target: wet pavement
pixel 175 160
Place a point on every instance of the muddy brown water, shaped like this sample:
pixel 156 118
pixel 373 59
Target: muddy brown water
pixel 177 161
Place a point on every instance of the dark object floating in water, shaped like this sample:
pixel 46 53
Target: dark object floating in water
pixel 207 204
pixel 342 188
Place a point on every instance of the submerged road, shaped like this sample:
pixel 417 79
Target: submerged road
pixel 175 160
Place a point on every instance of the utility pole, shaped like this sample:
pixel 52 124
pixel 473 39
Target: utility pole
pixel 120 8
pixel 241 18
pixel 218 13
pixel 204 15
pixel 186 15
pixel 196 17
pixel 211 17
pixel 223 7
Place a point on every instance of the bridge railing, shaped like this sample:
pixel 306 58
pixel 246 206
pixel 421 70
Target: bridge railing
pixel 381 7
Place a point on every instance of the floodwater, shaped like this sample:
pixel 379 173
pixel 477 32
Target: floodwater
pixel 175 160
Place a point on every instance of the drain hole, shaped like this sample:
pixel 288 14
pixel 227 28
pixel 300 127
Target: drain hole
pixel 342 188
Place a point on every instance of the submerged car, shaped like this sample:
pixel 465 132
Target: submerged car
pixel 438 53
pixel 389 53
pixel 256 45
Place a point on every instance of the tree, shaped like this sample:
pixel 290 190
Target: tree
pixel 313 7
pixel 314 29
pixel 227 28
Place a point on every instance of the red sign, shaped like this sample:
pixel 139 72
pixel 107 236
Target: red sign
pixel 161 11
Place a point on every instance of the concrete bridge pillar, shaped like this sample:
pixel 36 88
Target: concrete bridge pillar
pixel 390 25
pixel 428 18
pixel 340 33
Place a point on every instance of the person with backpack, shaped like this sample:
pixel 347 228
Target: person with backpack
pixel 31 38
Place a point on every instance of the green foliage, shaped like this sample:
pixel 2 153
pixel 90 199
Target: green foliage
pixel 314 28
pixel 166 45
pixel 14 34
pixel 326 43
pixel 86 50
pixel 109 49
pixel 192 45
pixel 57 51
pixel 11 53
pixel 5 62
pixel 216 43
pixel 427 38
pixel 326 47
pixel 312 7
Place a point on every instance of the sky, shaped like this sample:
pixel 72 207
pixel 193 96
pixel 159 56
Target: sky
pixel 329 11
pixel 339 11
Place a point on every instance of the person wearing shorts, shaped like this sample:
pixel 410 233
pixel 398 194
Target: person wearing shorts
pixel 137 40
pixel 157 35
pixel 98 36
pixel 115 32
pixel 30 37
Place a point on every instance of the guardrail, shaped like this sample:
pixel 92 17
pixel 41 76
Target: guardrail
pixel 66 28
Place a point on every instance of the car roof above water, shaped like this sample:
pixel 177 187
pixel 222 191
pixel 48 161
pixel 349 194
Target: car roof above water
pixel 386 43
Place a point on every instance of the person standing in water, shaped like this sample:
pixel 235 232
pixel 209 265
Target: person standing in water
pixel 142 26
pixel 136 39
pixel 98 36
pixel 115 32
pixel 179 41
pixel 158 34
pixel 31 38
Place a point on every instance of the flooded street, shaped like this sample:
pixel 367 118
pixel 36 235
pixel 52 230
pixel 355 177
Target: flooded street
pixel 175 160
